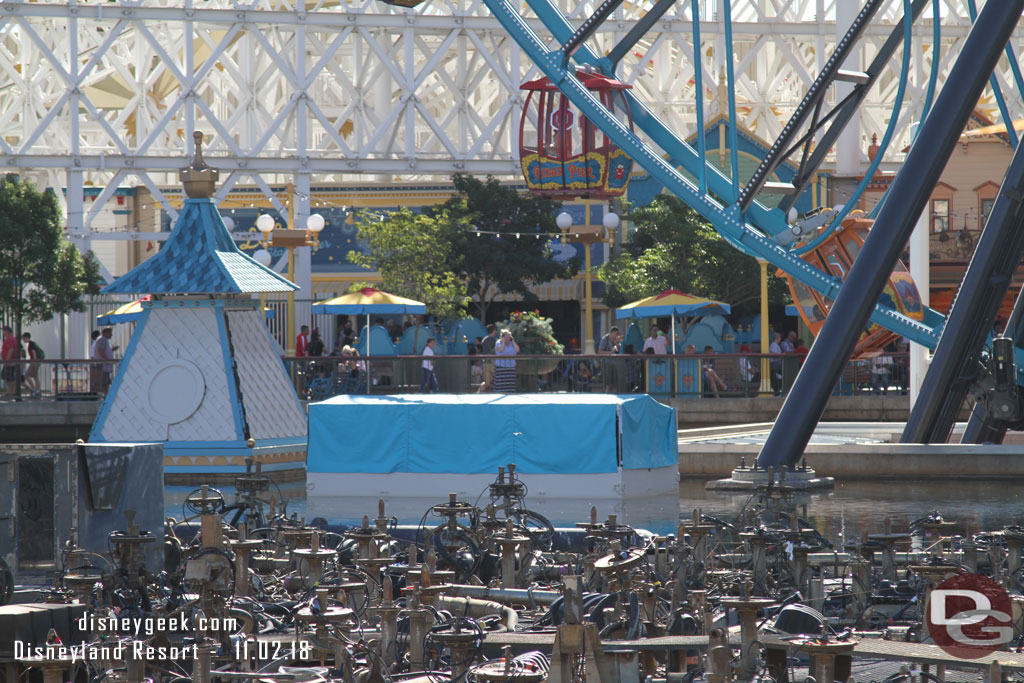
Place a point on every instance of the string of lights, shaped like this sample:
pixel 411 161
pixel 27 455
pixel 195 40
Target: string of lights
pixel 954 217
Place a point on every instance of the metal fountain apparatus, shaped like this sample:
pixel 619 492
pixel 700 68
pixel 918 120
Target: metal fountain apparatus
pixel 495 593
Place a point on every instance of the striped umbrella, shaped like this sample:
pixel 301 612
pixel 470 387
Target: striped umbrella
pixel 369 301
pixel 672 302
pixel 132 311
pixel 125 313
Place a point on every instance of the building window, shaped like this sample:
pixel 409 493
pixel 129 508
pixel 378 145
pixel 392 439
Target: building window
pixel 940 215
pixel 986 209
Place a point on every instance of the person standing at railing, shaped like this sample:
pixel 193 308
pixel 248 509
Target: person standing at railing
pixel 34 353
pixel 428 385
pixel 315 350
pixel 656 342
pixel 95 369
pixel 105 351
pixel 302 341
pixel 881 368
pixel 476 368
pixel 487 348
pixel 609 345
pixel 790 366
pixel 9 351
pixel 505 368
pixel 634 379
pixel 775 364
pixel 749 370
pixel 316 344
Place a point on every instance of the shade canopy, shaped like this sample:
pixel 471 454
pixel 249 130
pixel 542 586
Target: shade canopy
pixel 132 311
pixel 672 302
pixel 125 313
pixel 369 301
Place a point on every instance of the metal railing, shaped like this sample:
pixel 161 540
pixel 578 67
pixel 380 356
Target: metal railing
pixel 679 376
pixel 57 379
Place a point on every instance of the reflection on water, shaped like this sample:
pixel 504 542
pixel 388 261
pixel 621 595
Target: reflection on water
pixel 850 511
pixel 858 508
pixel 293 492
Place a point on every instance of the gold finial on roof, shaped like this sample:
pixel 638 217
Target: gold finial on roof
pixel 199 179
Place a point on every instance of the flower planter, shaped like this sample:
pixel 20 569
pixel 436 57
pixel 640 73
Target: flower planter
pixel 537 366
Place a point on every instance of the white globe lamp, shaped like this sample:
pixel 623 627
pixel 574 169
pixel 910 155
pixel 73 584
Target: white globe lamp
pixel 262 257
pixel 315 223
pixel 265 224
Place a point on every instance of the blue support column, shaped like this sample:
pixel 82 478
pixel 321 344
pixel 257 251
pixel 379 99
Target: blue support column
pixel 910 192
pixel 731 87
pixel 698 91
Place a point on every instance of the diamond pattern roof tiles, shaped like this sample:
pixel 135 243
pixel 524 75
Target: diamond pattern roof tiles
pixel 272 410
pixel 199 258
pixel 167 335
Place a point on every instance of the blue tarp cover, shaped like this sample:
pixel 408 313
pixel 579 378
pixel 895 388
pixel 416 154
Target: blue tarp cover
pixel 476 433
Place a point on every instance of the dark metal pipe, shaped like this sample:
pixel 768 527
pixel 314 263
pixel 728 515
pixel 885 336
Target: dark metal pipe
pixel 643 25
pixel 972 314
pixel 803 110
pixel 983 427
pixel 910 191
pixel 587 28
pixel 844 111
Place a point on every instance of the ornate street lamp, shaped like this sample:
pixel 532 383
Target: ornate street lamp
pixel 588 235
pixel 289 239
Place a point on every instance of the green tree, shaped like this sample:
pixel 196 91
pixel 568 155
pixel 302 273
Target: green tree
pixel 411 253
pixel 41 273
pixel 92 278
pixel 510 253
pixel 672 247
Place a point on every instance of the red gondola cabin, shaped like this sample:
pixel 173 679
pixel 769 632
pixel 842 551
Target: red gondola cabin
pixel 563 154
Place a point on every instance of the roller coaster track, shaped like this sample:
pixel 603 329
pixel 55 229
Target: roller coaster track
pixel 734 212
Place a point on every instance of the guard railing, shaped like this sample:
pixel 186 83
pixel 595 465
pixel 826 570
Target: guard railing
pixel 676 376
pixel 59 379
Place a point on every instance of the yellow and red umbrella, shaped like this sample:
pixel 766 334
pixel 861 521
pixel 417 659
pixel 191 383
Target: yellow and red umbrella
pixel 125 313
pixel 132 311
pixel 369 301
pixel 672 302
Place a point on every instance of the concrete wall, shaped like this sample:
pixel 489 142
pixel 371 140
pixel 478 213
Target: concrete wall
pixel 694 412
pixel 868 461
pixel 46 421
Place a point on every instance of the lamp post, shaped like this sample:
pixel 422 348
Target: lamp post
pixel 766 377
pixel 290 239
pixel 263 257
pixel 588 235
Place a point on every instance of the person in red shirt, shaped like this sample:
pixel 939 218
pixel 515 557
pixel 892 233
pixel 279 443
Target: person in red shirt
pixel 9 351
pixel 302 341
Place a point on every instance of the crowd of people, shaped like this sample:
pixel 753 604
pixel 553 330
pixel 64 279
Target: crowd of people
pixel 495 371
pixel 739 375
